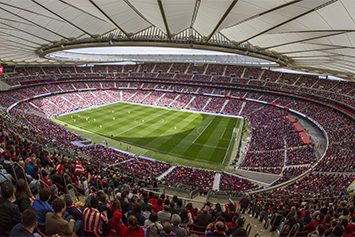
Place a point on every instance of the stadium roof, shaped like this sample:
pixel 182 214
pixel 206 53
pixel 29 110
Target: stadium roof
pixel 314 35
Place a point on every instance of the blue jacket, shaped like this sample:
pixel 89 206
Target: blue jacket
pixel 19 231
pixel 41 208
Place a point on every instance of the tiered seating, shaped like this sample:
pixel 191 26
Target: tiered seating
pixel 190 179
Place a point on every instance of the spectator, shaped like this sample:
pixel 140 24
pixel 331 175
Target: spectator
pixel 164 215
pixel 55 222
pixel 42 207
pixel 10 215
pixel 73 210
pixel 167 230
pixel 27 225
pixel 177 229
pixel 153 226
pixel 218 229
pixel 115 224
pixel 23 195
pixel 93 219
pixel 133 229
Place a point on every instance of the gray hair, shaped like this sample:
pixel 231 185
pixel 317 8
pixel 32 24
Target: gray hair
pixel 176 219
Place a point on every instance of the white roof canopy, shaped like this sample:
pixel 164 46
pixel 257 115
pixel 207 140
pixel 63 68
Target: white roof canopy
pixel 307 34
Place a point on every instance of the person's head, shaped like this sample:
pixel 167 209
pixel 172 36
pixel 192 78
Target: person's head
pixel 7 190
pixel 153 217
pixel 321 230
pixel 22 188
pixel 54 190
pixel 132 221
pixel 176 220
pixel 116 205
pixel 59 206
pixel 220 226
pixel 166 208
pixel 136 208
pixel 68 200
pixel 167 227
pixel 29 218
pixel 94 202
pixel 44 194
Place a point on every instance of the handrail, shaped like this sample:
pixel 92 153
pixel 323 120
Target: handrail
pixel 23 171
pixel 3 175
pixel 65 181
pixel 294 230
pixel 73 188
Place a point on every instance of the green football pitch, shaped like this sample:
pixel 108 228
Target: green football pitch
pixel 180 137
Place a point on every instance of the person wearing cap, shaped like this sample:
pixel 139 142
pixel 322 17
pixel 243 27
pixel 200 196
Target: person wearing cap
pixel 115 224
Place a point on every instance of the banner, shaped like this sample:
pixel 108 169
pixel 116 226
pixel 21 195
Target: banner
pixel 1 70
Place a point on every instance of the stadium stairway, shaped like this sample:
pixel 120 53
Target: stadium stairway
pixel 216 182
pixel 162 176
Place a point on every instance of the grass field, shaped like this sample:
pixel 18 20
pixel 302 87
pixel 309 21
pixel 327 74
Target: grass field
pixel 180 137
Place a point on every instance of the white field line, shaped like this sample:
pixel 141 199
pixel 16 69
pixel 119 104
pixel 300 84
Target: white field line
pixel 235 132
pixel 202 131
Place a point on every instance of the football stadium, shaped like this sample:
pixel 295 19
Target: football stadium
pixel 177 118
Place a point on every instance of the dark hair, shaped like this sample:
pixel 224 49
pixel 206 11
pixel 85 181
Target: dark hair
pixel 153 217
pixel 68 201
pixel 44 194
pixel 7 190
pixel 321 229
pixel 29 218
pixel 94 202
pixel 116 205
pixel 22 190
pixel 337 231
pixel 58 205
pixel 136 208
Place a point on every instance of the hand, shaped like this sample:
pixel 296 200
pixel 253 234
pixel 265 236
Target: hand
pixel 72 220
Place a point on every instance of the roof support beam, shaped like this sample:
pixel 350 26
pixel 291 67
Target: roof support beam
pixel 266 12
pixel 222 19
pixel 313 50
pixel 162 12
pixel 34 23
pixel 20 38
pixel 194 15
pixel 109 18
pixel 304 40
pixel 26 32
pixel 33 12
pixel 289 20
pixel 59 16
